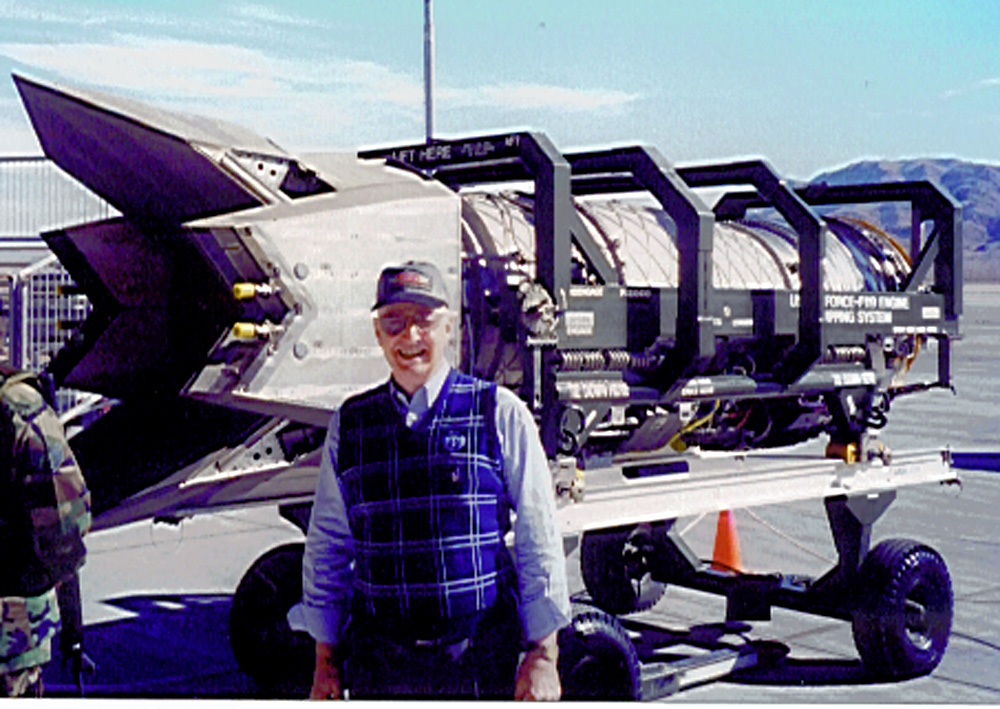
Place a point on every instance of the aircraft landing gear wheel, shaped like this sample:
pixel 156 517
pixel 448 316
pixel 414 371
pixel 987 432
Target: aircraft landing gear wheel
pixel 597 660
pixel 615 568
pixel 279 660
pixel 901 629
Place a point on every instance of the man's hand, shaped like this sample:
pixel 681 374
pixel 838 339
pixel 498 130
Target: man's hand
pixel 326 676
pixel 538 675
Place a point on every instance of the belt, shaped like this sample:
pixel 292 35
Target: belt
pixel 447 634
pixel 454 649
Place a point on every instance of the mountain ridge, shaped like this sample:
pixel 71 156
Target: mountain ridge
pixel 975 185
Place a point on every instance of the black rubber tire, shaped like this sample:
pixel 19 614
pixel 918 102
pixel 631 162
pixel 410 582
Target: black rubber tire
pixel 902 626
pixel 597 660
pixel 278 659
pixel 615 568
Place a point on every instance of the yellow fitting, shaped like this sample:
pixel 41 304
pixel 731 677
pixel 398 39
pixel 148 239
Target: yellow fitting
pixel 250 331
pixel 248 291
pixel 848 452
pixel 578 487
pixel 244 291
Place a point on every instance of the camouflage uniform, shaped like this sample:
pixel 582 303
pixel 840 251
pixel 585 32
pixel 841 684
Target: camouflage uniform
pixel 42 469
pixel 27 626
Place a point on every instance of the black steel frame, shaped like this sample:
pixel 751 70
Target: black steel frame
pixel 557 178
pixel 752 596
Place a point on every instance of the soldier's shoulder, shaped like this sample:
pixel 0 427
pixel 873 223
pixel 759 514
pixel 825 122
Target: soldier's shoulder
pixel 22 395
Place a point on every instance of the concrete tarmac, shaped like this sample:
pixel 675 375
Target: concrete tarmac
pixel 156 597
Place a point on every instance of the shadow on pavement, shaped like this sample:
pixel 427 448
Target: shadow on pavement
pixel 806 673
pixel 177 646
pixel 173 646
pixel 654 642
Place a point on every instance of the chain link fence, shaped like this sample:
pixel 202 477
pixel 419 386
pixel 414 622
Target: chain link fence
pixel 40 306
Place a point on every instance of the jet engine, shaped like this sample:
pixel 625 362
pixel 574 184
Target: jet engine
pixel 639 239
pixel 231 300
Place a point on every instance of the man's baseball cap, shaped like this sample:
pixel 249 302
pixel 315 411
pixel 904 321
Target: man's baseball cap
pixel 413 282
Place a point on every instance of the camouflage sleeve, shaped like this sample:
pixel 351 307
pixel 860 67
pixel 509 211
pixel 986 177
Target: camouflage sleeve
pixel 42 445
pixel 72 495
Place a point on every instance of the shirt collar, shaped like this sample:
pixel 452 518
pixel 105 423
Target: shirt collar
pixel 424 397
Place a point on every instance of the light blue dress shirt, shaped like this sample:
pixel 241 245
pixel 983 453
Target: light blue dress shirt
pixel 538 551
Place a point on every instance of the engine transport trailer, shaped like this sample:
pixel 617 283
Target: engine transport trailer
pixel 672 354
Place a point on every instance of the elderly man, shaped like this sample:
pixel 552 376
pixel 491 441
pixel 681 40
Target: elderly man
pixel 408 586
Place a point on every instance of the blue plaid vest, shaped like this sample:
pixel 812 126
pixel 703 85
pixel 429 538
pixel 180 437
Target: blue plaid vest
pixel 428 507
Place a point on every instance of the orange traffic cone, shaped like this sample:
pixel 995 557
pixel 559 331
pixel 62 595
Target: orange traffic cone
pixel 726 555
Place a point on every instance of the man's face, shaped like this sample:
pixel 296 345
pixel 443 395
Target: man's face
pixel 414 339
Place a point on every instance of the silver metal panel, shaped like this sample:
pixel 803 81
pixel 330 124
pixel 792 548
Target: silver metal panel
pixel 327 259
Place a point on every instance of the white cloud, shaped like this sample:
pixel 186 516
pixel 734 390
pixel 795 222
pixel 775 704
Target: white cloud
pixel 972 88
pixel 22 11
pixel 537 96
pixel 64 15
pixel 262 13
pixel 153 66
pixel 380 82
pixel 177 68
pixel 292 100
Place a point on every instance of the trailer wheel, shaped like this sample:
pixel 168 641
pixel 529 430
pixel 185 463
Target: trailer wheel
pixel 902 626
pixel 615 568
pixel 278 659
pixel 597 660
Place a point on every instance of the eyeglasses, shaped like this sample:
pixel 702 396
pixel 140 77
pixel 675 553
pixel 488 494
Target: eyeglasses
pixel 394 323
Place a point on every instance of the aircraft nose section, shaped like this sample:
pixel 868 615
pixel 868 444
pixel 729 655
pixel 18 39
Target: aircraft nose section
pixel 151 165
pixel 236 274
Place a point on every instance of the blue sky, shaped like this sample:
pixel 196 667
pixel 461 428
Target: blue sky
pixel 807 85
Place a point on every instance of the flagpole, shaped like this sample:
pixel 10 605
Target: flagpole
pixel 429 69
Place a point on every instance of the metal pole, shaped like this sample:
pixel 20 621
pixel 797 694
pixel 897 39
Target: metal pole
pixel 429 68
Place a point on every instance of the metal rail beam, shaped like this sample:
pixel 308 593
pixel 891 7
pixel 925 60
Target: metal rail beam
pixel 693 485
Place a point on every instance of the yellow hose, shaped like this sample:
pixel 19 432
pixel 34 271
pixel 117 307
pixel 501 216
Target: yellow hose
pixel 675 441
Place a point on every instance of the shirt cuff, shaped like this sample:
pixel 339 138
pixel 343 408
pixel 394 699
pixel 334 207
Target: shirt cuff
pixel 542 617
pixel 325 625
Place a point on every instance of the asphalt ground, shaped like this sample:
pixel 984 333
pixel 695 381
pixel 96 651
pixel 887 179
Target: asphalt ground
pixel 157 597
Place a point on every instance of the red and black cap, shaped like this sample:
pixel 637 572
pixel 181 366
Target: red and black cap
pixel 413 282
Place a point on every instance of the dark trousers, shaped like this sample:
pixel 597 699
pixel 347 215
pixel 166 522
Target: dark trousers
pixel 482 667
